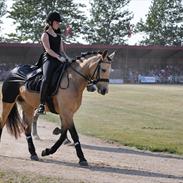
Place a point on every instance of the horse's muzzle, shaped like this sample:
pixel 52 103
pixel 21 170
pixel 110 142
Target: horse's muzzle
pixel 103 91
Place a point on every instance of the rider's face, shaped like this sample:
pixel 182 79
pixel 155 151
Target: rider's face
pixel 55 25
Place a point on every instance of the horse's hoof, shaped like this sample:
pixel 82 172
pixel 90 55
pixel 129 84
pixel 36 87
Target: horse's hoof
pixel 56 131
pixel 83 163
pixel 34 157
pixel 45 152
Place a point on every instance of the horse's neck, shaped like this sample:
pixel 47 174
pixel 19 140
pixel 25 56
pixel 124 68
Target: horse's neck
pixel 83 68
pixel 86 65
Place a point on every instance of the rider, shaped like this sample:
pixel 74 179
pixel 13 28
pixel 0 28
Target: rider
pixel 52 57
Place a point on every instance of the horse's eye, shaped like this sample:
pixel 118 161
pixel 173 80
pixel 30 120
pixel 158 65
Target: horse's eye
pixel 103 70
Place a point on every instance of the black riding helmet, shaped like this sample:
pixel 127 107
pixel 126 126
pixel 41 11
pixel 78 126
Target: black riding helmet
pixel 53 16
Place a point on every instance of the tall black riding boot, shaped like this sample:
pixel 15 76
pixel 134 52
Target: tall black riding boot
pixel 43 93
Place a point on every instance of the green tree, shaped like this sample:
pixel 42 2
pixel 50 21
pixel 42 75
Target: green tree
pixel 164 23
pixel 2 12
pixel 2 8
pixel 109 22
pixel 30 15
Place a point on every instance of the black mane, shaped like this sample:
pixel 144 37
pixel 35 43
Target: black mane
pixel 84 54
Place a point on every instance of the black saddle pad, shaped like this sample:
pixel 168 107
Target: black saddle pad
pixel 20 72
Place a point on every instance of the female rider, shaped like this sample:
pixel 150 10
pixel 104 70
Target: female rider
pixel 52 58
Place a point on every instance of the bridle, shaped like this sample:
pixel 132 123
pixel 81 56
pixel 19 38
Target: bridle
pixel 92 79
pixel 97 72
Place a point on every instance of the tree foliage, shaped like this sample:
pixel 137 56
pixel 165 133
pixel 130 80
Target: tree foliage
pixel 109 22
pixel 30 15
pixel 2 8
pixel 2 13
pixel 164 23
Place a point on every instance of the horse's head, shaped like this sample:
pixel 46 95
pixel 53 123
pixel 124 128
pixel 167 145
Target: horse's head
pixel 100 72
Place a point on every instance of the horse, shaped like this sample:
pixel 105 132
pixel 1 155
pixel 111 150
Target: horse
pixel 94 68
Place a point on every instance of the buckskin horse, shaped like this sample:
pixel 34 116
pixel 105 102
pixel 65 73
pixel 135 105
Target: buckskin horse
pixel 95 68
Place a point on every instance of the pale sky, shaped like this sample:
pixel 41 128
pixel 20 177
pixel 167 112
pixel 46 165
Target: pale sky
pixel 138 7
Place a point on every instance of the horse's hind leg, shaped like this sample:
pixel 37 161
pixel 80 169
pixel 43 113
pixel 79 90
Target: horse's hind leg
pixel 6 108
pixel 34 127
pixel 0 133
pixel 27 119
pixel 10 91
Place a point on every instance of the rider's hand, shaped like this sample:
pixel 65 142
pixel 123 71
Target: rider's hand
pixel 61 59
pixel 69 59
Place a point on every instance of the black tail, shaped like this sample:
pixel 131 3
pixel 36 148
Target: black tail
pixel 14 124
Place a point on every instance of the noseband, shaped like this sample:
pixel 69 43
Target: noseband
pixel 92 80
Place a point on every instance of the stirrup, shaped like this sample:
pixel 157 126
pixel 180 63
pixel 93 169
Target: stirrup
pixel 41 110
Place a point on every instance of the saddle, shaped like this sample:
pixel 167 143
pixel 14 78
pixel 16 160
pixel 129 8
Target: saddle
pixel 34 80
pixel 32 76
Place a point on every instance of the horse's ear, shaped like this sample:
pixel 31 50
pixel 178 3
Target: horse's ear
pixel 111 56
pixel 104 54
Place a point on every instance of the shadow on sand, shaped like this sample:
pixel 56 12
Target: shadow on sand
pixel 110 169
pixel 130 151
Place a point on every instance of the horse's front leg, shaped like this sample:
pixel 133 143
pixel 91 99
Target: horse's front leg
pixel 28 122
pixel 58 131
pixel 58 143
pixel 75 137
